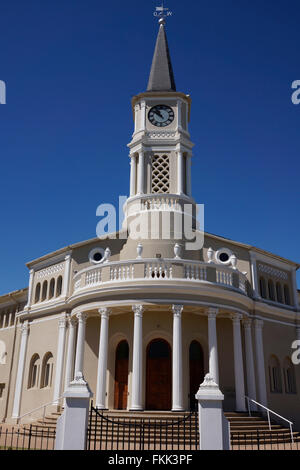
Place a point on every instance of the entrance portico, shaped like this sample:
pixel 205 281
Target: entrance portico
pixel 135 381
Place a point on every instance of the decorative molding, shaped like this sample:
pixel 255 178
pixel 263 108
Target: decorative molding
pixel 258 324
pixel 62 322
pixel 138 310
pixel 272 271
pixel 212 312
pixel 56 268
pixel 236 318
pixel 177 310
pixel 82 317
pixel 25 328
pixel 160 135
pixel 104 312
pixel 247 323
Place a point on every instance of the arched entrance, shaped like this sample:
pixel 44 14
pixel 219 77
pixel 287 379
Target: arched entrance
pixel 196 371
pixel 159 375
pixel 121 376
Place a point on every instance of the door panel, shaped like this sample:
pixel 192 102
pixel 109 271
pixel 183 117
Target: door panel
pixel 159 376
pixel 121 376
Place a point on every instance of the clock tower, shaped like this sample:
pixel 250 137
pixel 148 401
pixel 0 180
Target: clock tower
pixel 160 149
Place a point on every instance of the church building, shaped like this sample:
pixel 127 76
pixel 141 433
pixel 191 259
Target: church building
pixel 144 318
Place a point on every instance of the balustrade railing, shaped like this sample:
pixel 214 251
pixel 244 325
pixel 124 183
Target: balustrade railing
pixel 162 269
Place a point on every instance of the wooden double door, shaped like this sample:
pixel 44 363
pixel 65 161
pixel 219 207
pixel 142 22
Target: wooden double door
pixel 159 375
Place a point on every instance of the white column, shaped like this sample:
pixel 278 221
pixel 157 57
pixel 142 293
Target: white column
pixel 260 363
pixel 189 175
pixel 102 359
pixel 137 365
pixel 180 173
pixel 251 386
pixel 254 275
pixel 68 260
pixel 82 317
pixel 30 288
pixel 177 392
pixel 141 173
pixel 62 324
pixel 238 364
pixel 70 352
pixel 20 372
pixel 132 175
pixel 213 344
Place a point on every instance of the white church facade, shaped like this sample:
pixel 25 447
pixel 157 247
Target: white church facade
pixel 145 319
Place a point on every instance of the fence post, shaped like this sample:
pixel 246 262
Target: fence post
pixel 213 430
pixel 71 429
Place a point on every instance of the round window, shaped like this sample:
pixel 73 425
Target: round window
pixel 223 256
pixel 96 255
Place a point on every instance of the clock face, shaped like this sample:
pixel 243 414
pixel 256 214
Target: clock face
pixel 161 115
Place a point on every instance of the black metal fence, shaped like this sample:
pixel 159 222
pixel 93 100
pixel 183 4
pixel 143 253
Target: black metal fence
pixel 134 433
pixel 265 440
pixel 30 437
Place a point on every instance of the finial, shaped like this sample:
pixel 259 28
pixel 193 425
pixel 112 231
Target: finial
pixel 162 13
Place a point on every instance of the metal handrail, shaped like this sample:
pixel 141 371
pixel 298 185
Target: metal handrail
pixel 268 414
pixel 39 408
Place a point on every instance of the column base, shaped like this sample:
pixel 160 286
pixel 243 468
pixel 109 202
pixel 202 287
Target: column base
pixel 136 409
pixel 178 410
pixel 102 408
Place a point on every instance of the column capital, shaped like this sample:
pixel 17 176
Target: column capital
pixel 177 310
pixel 82 317
pixel 72 321
pixel 138 310
pixel 236 317
pixel 212 312
pixel 67 257
pixel 25 328
pixel 104 312
pixel 247 323
pixel 258 324
pixel 62 322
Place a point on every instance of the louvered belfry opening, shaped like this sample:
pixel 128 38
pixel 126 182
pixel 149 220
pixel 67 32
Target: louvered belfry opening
pixel 160 174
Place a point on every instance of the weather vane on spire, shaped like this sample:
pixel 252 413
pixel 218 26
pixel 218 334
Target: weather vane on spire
pixel 162 13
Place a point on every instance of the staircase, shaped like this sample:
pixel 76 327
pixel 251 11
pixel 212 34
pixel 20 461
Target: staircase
pixel 247 432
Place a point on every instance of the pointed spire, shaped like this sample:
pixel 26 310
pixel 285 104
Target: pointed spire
pixel 161 75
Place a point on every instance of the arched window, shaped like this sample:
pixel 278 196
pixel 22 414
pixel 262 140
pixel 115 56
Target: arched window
pixel 58 286
pixel 51 289
pixel 289 376
pixel 47 370
pixel 44 291
pixel 37 293
pixel 275 375
pixel 262 287
pixel 34 370
pixel 279 292
pixel 271 290
pixel 287 298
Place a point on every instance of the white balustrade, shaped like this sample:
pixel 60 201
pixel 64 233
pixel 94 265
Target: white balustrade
pixel 224 277
pixel 195 272
pixel 158 270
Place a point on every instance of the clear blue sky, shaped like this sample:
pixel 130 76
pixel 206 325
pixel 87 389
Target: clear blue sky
pixel 71 68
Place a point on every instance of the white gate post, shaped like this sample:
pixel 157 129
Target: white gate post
pixel 213 426
pixel 71 429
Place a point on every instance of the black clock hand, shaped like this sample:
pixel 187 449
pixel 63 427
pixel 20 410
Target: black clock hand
pixel 159 113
